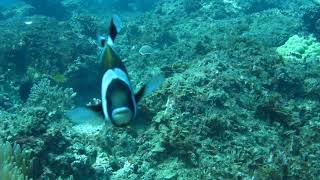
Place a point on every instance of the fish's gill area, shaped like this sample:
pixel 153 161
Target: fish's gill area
pixel 240 99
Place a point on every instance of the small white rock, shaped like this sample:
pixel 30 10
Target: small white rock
pixel 145 50
pixel 28 22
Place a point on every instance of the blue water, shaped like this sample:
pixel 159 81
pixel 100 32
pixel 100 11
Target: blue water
pixel 9 2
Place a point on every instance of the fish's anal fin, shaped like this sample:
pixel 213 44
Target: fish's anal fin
pixel 148 88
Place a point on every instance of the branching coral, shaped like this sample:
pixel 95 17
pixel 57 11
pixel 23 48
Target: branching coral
pixel 53 98
pixel 12 163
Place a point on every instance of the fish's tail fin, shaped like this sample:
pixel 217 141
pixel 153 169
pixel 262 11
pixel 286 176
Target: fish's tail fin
pixel 114 29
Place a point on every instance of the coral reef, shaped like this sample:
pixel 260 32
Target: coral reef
pixel 240 99
pixel 303 49
pixel 53 98
pixel 127 5
pixel 50 8
pixel 12 163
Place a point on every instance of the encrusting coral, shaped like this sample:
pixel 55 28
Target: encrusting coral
pixel 300 49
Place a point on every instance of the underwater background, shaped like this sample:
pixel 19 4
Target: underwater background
pixel 240 99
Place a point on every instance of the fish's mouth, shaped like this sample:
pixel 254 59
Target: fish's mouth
pixel 122 115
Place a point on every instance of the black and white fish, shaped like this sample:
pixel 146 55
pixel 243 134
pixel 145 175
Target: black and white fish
pixel 118 100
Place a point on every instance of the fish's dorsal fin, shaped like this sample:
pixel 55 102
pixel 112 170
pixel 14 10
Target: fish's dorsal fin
pixel 109 59
pixel 148 88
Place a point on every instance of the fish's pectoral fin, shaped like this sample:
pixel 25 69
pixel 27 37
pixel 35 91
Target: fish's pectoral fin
pixel 148 88
pixel 92 115
pixel 97 109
